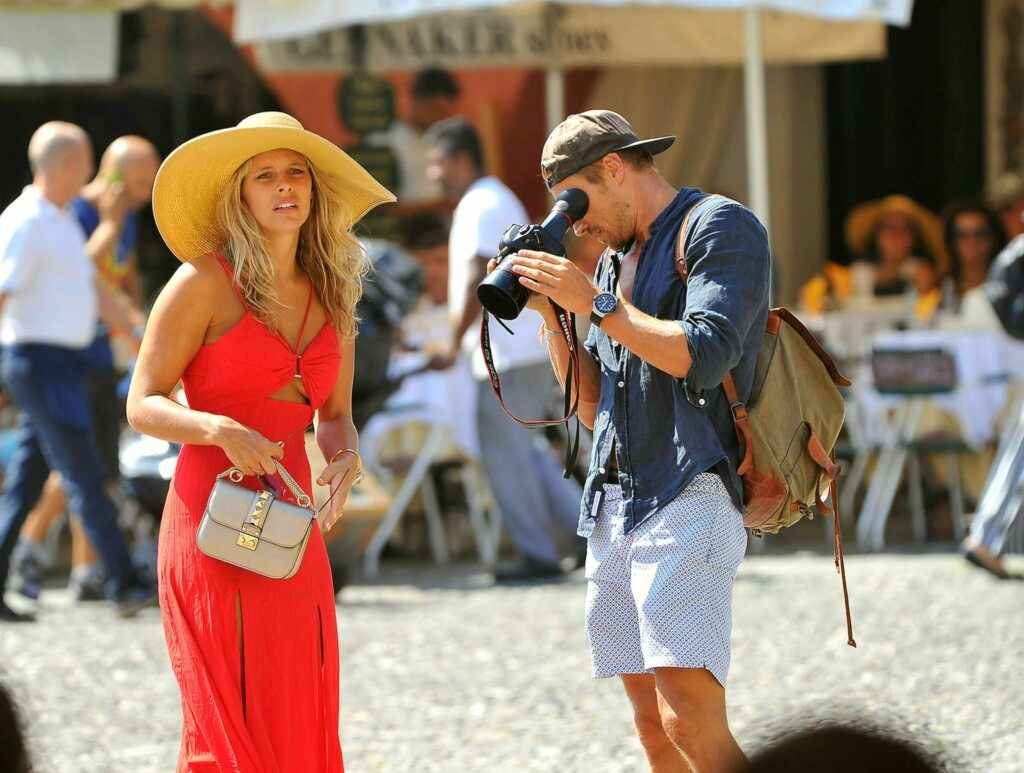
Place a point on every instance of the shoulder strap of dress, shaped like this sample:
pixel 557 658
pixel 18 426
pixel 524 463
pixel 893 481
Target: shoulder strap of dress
pixel 230 271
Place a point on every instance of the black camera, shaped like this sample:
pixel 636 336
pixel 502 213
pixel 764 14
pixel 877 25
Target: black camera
pixel 501 293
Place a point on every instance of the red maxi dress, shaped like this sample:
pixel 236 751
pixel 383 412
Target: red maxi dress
pixel 256 659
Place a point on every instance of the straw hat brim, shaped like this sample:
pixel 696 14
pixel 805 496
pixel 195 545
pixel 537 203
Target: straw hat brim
pixel 862 223
pixel 193 177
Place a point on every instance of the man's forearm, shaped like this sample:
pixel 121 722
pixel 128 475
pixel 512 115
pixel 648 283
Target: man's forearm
pixel 471 307
pixel 660 342
pixel 558 353
pixel 103 240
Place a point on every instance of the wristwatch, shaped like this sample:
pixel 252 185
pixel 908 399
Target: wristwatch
pixel 604 304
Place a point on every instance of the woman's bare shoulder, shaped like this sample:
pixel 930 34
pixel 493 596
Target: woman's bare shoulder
pixel 202 280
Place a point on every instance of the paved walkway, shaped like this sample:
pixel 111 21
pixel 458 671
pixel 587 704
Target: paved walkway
pixel 441 673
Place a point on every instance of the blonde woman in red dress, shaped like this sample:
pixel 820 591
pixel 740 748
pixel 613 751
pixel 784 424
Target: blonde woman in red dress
pixel 258 323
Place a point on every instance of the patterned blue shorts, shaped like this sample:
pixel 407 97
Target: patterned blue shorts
pixel 661 596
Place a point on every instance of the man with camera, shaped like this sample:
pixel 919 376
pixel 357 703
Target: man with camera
pixel 661 505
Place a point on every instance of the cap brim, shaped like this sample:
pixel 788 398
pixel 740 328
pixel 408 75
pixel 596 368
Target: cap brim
pixel 653 146
pixel 193 177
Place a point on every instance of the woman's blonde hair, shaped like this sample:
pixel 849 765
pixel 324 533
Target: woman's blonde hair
pixel 328 253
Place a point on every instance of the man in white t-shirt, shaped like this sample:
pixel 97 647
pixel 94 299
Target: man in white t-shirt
pixel 539 508
pixel 49 308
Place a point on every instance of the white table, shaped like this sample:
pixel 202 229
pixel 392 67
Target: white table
pixel 985 363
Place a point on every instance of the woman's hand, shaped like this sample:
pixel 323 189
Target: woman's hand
pixel 247 449
pixel 339 477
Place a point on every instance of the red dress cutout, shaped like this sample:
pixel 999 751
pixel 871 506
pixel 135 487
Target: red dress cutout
pixel 265 701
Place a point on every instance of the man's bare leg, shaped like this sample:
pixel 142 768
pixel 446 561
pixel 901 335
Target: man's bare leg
pixel 662 754
pixel 82 551
pixel 693 715
pixel 49 507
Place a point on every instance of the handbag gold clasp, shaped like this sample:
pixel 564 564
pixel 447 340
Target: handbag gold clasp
pixel 248 541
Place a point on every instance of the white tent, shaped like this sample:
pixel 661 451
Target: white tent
pixel 598 32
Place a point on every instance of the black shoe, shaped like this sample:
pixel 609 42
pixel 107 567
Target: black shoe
pixel 8 615
pixel 135 600
pixel 984 562
pixel 528 570
pixel 87 587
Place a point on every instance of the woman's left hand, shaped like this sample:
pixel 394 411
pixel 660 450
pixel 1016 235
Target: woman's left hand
pixel 339 478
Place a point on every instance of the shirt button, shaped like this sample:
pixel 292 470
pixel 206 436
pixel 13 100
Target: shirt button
pixel 702 401
pixel 601 470
pixel 622 383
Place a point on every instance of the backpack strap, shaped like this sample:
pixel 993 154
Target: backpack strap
pixel 740 418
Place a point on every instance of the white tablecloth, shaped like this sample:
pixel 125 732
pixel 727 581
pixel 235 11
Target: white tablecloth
pixel 445 397
pixel 982 359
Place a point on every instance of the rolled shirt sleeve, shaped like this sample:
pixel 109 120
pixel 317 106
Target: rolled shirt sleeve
pixel 17 257
pixel 728 260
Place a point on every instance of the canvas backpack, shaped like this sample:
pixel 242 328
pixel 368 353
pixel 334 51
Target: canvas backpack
pixel 788 427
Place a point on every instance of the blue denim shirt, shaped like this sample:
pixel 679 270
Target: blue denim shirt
pixel 665 430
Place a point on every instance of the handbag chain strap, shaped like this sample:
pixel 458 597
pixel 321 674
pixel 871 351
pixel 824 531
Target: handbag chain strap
pixel 235 475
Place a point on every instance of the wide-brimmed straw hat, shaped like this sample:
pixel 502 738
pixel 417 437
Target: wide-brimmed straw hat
pixel 192 179
pixel 862 223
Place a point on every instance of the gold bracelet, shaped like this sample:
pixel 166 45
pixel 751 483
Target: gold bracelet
pixel 359 459
pixel 341 451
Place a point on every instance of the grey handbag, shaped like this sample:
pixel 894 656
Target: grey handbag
pixel 256 530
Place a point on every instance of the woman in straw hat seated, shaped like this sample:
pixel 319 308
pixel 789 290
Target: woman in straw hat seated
pixel 883 237
pixel 258 323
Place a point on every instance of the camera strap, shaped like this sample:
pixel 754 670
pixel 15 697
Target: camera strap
pixel 567 324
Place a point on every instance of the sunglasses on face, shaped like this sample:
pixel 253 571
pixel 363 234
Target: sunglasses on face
pixel 972 233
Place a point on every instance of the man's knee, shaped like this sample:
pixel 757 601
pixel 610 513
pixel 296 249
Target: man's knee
pixel 650 729
pixel 691 707
pixel 683 731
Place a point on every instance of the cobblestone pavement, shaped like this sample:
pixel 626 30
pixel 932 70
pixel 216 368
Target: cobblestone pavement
pixel 441 673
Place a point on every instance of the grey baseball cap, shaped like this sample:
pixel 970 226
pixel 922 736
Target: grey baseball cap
pixel 583 138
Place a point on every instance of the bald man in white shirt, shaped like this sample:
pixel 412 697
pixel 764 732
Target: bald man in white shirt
pixel 49 309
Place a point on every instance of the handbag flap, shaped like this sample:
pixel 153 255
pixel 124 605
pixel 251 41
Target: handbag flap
pixel 284 525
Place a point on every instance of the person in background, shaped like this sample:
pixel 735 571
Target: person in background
pixel 880 235
pixel 425 236
pixel 974 235
pixel 538 507
pixel 925 281
pixel 435 93
pixel 50 304
pixel 1006 197
pixel 127 170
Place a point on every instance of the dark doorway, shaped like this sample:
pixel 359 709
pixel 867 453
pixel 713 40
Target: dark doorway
pixel 913 123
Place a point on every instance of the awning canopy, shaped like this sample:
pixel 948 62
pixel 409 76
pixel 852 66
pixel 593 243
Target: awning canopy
pixel 279 19
pixel 574 36
pixel 72 46
pixel 101 5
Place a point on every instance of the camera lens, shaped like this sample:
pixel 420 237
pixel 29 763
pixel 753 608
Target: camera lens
pixel 501 294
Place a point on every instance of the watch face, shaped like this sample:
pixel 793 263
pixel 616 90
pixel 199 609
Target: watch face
pixel 605 303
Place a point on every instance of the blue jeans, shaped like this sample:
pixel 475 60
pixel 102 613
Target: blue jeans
pixel 55 433
pixel 538 506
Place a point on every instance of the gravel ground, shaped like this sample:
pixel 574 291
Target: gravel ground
pixel 443 673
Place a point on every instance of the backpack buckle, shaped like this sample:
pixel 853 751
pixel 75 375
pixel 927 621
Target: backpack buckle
pixel 739 411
